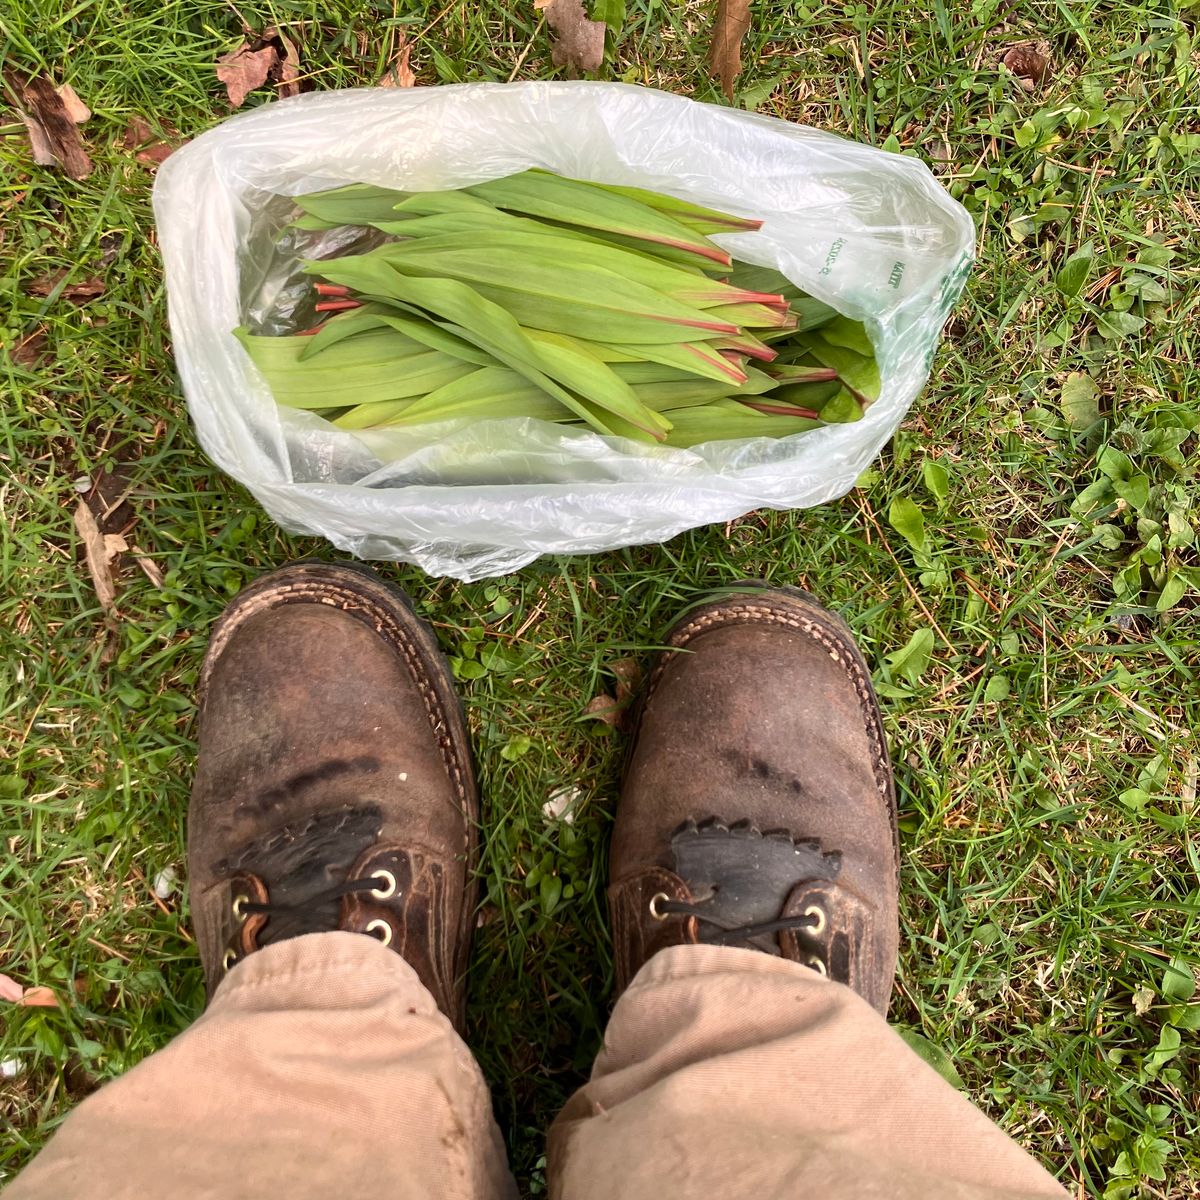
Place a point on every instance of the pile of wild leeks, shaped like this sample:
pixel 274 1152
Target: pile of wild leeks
pixel 582 303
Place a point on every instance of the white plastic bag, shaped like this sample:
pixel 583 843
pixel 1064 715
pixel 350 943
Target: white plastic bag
pixel 869 232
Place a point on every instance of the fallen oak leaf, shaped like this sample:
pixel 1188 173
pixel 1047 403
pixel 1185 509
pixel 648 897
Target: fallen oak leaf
pixel 1030 64
pixel 99 550
pixel 725 53
pixel 150 568
pixel 72 105
pixel 47 116
pixel 579 45
pixel 242 70
pixel 46 285
pixel 147 146
pixel 286 72
pixel 27 351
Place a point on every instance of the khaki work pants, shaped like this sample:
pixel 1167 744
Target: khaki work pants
pixel 323 1069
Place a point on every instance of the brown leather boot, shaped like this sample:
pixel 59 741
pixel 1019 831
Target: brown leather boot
pixel 758 807
pixel 334 787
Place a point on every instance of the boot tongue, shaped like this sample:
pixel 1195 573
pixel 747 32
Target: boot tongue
pixel 300 864
pixel 743 877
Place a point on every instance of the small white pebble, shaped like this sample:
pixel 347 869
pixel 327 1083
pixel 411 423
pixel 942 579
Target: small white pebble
pixel 10 1068
pixel 164 883
pixel 403 776
pixel 83 483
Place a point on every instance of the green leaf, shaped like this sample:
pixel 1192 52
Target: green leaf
pixel 1079 401
pixel 1075 271
pixel 578 203
pixel 1027 135
pixel 758 93
pixel 839 409
pixel 1178 981
pixel 1172 592
pixel 551 892
pixel 1135 491
pixel 357 204
pixel 1154 255
pixel 1169 1041
pixel 911 660
pixel 1092 497
pixel 932 1054
pixel 908 521
pixel 611 12
pixel 515 747
pixel 1134 798
pixel 997 689
pixel 1113 326
pixel 936 480
pixel 1152 1154
pixel 1115 464
pixel 1185 1016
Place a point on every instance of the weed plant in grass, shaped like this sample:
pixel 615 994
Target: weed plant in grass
pixel 1009 576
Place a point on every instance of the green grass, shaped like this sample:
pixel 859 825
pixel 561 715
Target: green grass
pixel 1003 568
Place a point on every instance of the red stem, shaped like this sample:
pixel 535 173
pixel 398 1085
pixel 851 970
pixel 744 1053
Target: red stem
pixel 337 305
pixel 782 410
pixel 332 289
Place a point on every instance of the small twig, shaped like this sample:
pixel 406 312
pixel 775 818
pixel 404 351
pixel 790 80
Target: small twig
pixel 108 949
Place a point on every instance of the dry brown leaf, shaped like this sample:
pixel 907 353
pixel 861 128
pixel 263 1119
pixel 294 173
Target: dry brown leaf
pixel 150 149
pixel 1030 64
pixel 10 990
pixel 38 997
pixel 399 73
pixel 27 351
pixel 99 549
pixel 286 72
pixel 242 70
pixel 729 31
pixel 579 45
pixel 150 568
pixel 604 708
pixel 272 55
pixel 50 115
pixel 72 105
pixel 83 289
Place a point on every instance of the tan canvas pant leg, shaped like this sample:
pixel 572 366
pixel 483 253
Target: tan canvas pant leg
pixel 322 1068
pixel 728 1073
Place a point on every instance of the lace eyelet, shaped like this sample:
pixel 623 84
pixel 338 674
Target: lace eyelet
pixel 229 960
pixel 387 888
pixel 239 906
pixel 654 903
pixel 817 965
pixel 818 926
pixel 380 930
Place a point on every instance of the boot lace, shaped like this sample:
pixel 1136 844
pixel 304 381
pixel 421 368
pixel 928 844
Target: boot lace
pixel 315 910
pixel 723 933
